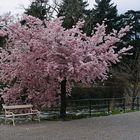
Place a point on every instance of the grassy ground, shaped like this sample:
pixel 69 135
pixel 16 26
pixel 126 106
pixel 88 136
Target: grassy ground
pixel 87 115
pixel 69 117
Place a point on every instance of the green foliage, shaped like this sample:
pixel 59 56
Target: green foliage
pixel 133 18
pixel 131 65
pixel 72 11
pixel 104 10
pixel 38 9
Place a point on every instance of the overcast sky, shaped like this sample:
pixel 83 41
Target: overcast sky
pixel 16 6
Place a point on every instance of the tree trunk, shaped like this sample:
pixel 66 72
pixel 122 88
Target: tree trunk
pixel 133 102
pixel 63 100
pixel 1 102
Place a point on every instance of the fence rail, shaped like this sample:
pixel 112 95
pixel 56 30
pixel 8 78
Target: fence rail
pixel 92 106
pixel 103 104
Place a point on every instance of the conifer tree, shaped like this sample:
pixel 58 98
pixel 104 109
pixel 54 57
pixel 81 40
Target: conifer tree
pixel 132 18
pixel 104 10
pixel 38 8
pixel 73 11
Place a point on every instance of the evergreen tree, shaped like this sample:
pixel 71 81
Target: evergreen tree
pixel 133 18
pixel 129 68
pixel 38 8
pixel 103 10
pixel 73 11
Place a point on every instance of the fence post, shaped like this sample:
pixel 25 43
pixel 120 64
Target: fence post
pixel 137 103
pixel 90 108
pixel 108 106
pixel 124 107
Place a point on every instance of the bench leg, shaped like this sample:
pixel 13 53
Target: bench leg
pixel 13 120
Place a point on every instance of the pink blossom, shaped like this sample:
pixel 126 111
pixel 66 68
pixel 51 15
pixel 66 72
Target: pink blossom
pixel 37 58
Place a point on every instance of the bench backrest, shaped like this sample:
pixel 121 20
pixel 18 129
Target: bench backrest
pixel 17 106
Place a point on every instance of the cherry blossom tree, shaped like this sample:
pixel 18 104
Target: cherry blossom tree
pixel 42 60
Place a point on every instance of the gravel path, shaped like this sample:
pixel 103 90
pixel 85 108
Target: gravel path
pixel 117 127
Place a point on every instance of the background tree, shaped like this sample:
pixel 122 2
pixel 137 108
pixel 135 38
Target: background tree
pixel 72 11
pixel 104 10
pixel 42 9
pixel 128 73
pixel 38 9
pixel 129 69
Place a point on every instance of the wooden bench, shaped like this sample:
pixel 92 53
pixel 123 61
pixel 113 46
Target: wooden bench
pixel 20 110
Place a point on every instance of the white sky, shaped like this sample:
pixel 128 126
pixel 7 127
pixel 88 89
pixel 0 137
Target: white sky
pixel 15 6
